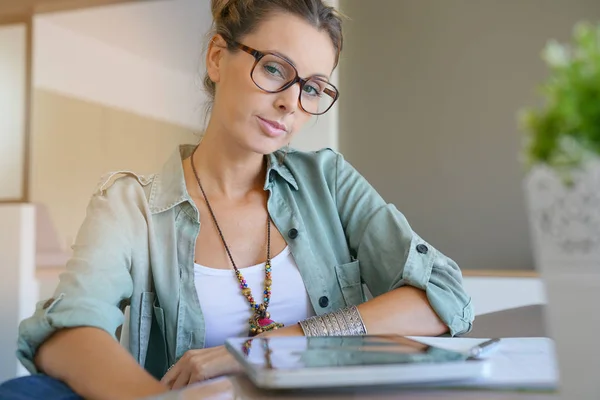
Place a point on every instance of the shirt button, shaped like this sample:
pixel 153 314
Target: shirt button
pixel 421 248
pixel 323 301
pixel 293 233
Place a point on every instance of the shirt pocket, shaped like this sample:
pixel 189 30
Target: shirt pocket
pixel 148 309
pixel 348 277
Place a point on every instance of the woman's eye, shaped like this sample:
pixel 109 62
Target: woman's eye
pixel 273 70
pixel 312 90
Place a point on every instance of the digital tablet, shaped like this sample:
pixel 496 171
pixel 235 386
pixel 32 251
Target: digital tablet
pixel 317 362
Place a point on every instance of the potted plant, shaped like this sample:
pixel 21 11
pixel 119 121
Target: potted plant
pixel 562 153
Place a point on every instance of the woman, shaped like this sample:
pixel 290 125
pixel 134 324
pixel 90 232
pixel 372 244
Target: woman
pixel 186 248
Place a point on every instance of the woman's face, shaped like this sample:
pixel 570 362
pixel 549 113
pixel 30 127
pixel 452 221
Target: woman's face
pixel 258 121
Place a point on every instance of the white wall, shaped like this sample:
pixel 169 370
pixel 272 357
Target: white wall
pixel 149 60
pixel 490 294
pixel 18 286
pixel 12 110
pixel 72 63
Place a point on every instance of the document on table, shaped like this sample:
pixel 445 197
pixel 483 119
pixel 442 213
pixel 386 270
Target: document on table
pixel 516 363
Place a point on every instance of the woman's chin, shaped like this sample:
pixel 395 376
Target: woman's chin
pixel 268 146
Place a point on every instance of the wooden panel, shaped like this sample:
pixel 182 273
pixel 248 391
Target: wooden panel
pixel 508 273
pixel 22 11
pixel 24 97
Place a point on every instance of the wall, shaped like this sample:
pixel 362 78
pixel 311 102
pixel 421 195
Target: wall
pixel 18 286
pixel 12 110
pixel 72 61
pixel 428 113
pixel 75 142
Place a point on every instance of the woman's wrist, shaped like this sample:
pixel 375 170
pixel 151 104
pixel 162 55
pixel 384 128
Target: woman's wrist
pixel 344 322
pixel 290 330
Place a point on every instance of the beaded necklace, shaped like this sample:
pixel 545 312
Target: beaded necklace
pixel 260 321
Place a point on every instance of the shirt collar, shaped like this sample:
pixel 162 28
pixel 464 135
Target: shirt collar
pixel 169 189
pixel 276 165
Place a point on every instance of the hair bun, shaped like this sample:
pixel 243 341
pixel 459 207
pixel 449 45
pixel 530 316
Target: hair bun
pixel 218 6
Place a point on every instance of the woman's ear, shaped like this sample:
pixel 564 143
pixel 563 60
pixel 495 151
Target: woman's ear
pixel 214 54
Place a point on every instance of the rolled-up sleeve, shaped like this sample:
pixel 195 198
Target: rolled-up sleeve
pixel 96 280
pixel 392 255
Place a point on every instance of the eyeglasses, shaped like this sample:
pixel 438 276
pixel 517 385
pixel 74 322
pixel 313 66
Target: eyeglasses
pixel 273 74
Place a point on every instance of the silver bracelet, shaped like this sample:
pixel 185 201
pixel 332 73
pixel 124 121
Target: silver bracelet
pixel 311 327
pixel 305 328
pixel 333 328
pixel 339 328
pixel 355 321
pixel 321 327
pixel 316 327
pixel 343 318
pixel 344 322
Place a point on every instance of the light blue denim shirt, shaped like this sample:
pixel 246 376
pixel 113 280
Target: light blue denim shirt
pixel 136 247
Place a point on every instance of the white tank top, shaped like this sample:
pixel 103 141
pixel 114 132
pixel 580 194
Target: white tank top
pixel 226 311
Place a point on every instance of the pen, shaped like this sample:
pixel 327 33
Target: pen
pixel 483 348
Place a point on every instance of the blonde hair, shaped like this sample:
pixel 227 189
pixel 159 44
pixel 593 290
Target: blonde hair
pixel 233 19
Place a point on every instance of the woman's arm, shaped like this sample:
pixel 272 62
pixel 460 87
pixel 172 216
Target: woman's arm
pixel 403 311
pixel 416 289
pixel 415 286
pixel 72 336
pixel 95 366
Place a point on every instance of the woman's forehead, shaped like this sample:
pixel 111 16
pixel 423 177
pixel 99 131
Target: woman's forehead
pixel 311 50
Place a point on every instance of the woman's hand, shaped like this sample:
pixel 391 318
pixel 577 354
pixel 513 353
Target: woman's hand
pixel 203 364
pixel 200 365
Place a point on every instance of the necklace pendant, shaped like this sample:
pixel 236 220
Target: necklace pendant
pixel 260 324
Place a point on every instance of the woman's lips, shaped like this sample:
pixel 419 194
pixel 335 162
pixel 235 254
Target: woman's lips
pixel 272 128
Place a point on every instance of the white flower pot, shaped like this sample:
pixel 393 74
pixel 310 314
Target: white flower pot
pixel 565 229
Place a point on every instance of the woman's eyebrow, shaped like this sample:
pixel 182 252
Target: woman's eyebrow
pixel 286 58
pixel 325 77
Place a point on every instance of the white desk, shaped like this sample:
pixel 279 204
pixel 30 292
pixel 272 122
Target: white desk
pixel 240 388
pixel 524 321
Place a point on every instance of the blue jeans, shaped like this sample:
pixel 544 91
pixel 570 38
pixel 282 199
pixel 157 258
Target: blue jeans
pixel 36 387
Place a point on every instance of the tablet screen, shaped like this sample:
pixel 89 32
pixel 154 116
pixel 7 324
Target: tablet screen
pixel 287 353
